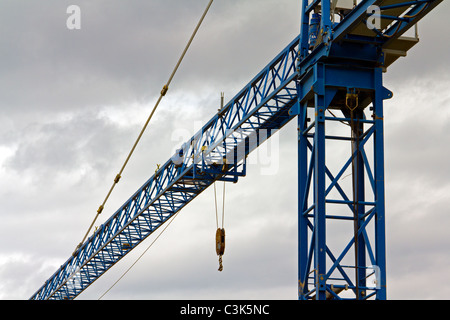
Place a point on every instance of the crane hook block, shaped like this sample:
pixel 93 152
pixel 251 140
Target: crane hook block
pixel 220 242
pixel 220 245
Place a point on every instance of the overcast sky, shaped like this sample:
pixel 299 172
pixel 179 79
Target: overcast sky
pixel 73 101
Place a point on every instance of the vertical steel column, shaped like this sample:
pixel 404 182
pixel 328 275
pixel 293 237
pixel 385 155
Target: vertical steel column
pixel 302 112
pixel 358 172
pixel 326 17
pixel 380 229
pixel 320 243
pixel 302 202
pixel 304 33
pixel 319 185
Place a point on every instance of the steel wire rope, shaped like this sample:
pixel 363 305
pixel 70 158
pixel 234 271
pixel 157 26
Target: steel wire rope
pixel 140 256
pixel 355 152
pixel 355 190
pixel 220 232
pixel 215 205
pixel 223 206
pixel 162 94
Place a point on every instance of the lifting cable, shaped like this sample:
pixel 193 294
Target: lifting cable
pixel 162 94
pixel 352 104
pixel 355 191
pixel 220 232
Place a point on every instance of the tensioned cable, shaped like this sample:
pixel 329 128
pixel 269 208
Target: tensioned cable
pixel 223 206
pixel 139 258
pixel 215 203
pixel 220 232
pixel 216 207
pixel 163 93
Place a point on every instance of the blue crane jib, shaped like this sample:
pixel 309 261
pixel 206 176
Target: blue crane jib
pixel 334 65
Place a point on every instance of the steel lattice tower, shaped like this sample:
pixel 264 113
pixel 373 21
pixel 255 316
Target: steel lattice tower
pixel 340 108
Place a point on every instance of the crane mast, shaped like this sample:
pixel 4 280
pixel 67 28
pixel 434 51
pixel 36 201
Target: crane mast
pixel 340 107
pixel 330 78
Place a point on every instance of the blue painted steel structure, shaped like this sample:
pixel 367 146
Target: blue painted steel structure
pixel 216 152
pixel 340 72
pixel 333 67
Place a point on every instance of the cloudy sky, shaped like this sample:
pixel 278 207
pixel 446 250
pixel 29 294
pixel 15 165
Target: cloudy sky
pixel 73 101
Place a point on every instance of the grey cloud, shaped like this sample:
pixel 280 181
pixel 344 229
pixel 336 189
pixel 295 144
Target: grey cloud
pixel 128 51
pixel 427 58
pixel 420 142
pixel 49 148
pixel 116 55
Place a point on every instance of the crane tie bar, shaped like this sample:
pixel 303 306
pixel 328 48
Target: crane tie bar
pixel 162 94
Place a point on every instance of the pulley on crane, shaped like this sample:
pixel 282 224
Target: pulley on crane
pixel 220 232
pixel 220 245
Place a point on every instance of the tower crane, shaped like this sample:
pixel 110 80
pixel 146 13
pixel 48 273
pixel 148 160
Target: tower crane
pixel 330 79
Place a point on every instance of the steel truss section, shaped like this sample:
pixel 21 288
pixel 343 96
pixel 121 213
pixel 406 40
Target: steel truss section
pixel 340 116
pixel 341 183
pixel 217 152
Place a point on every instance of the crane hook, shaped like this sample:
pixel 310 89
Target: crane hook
pixel 220 245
